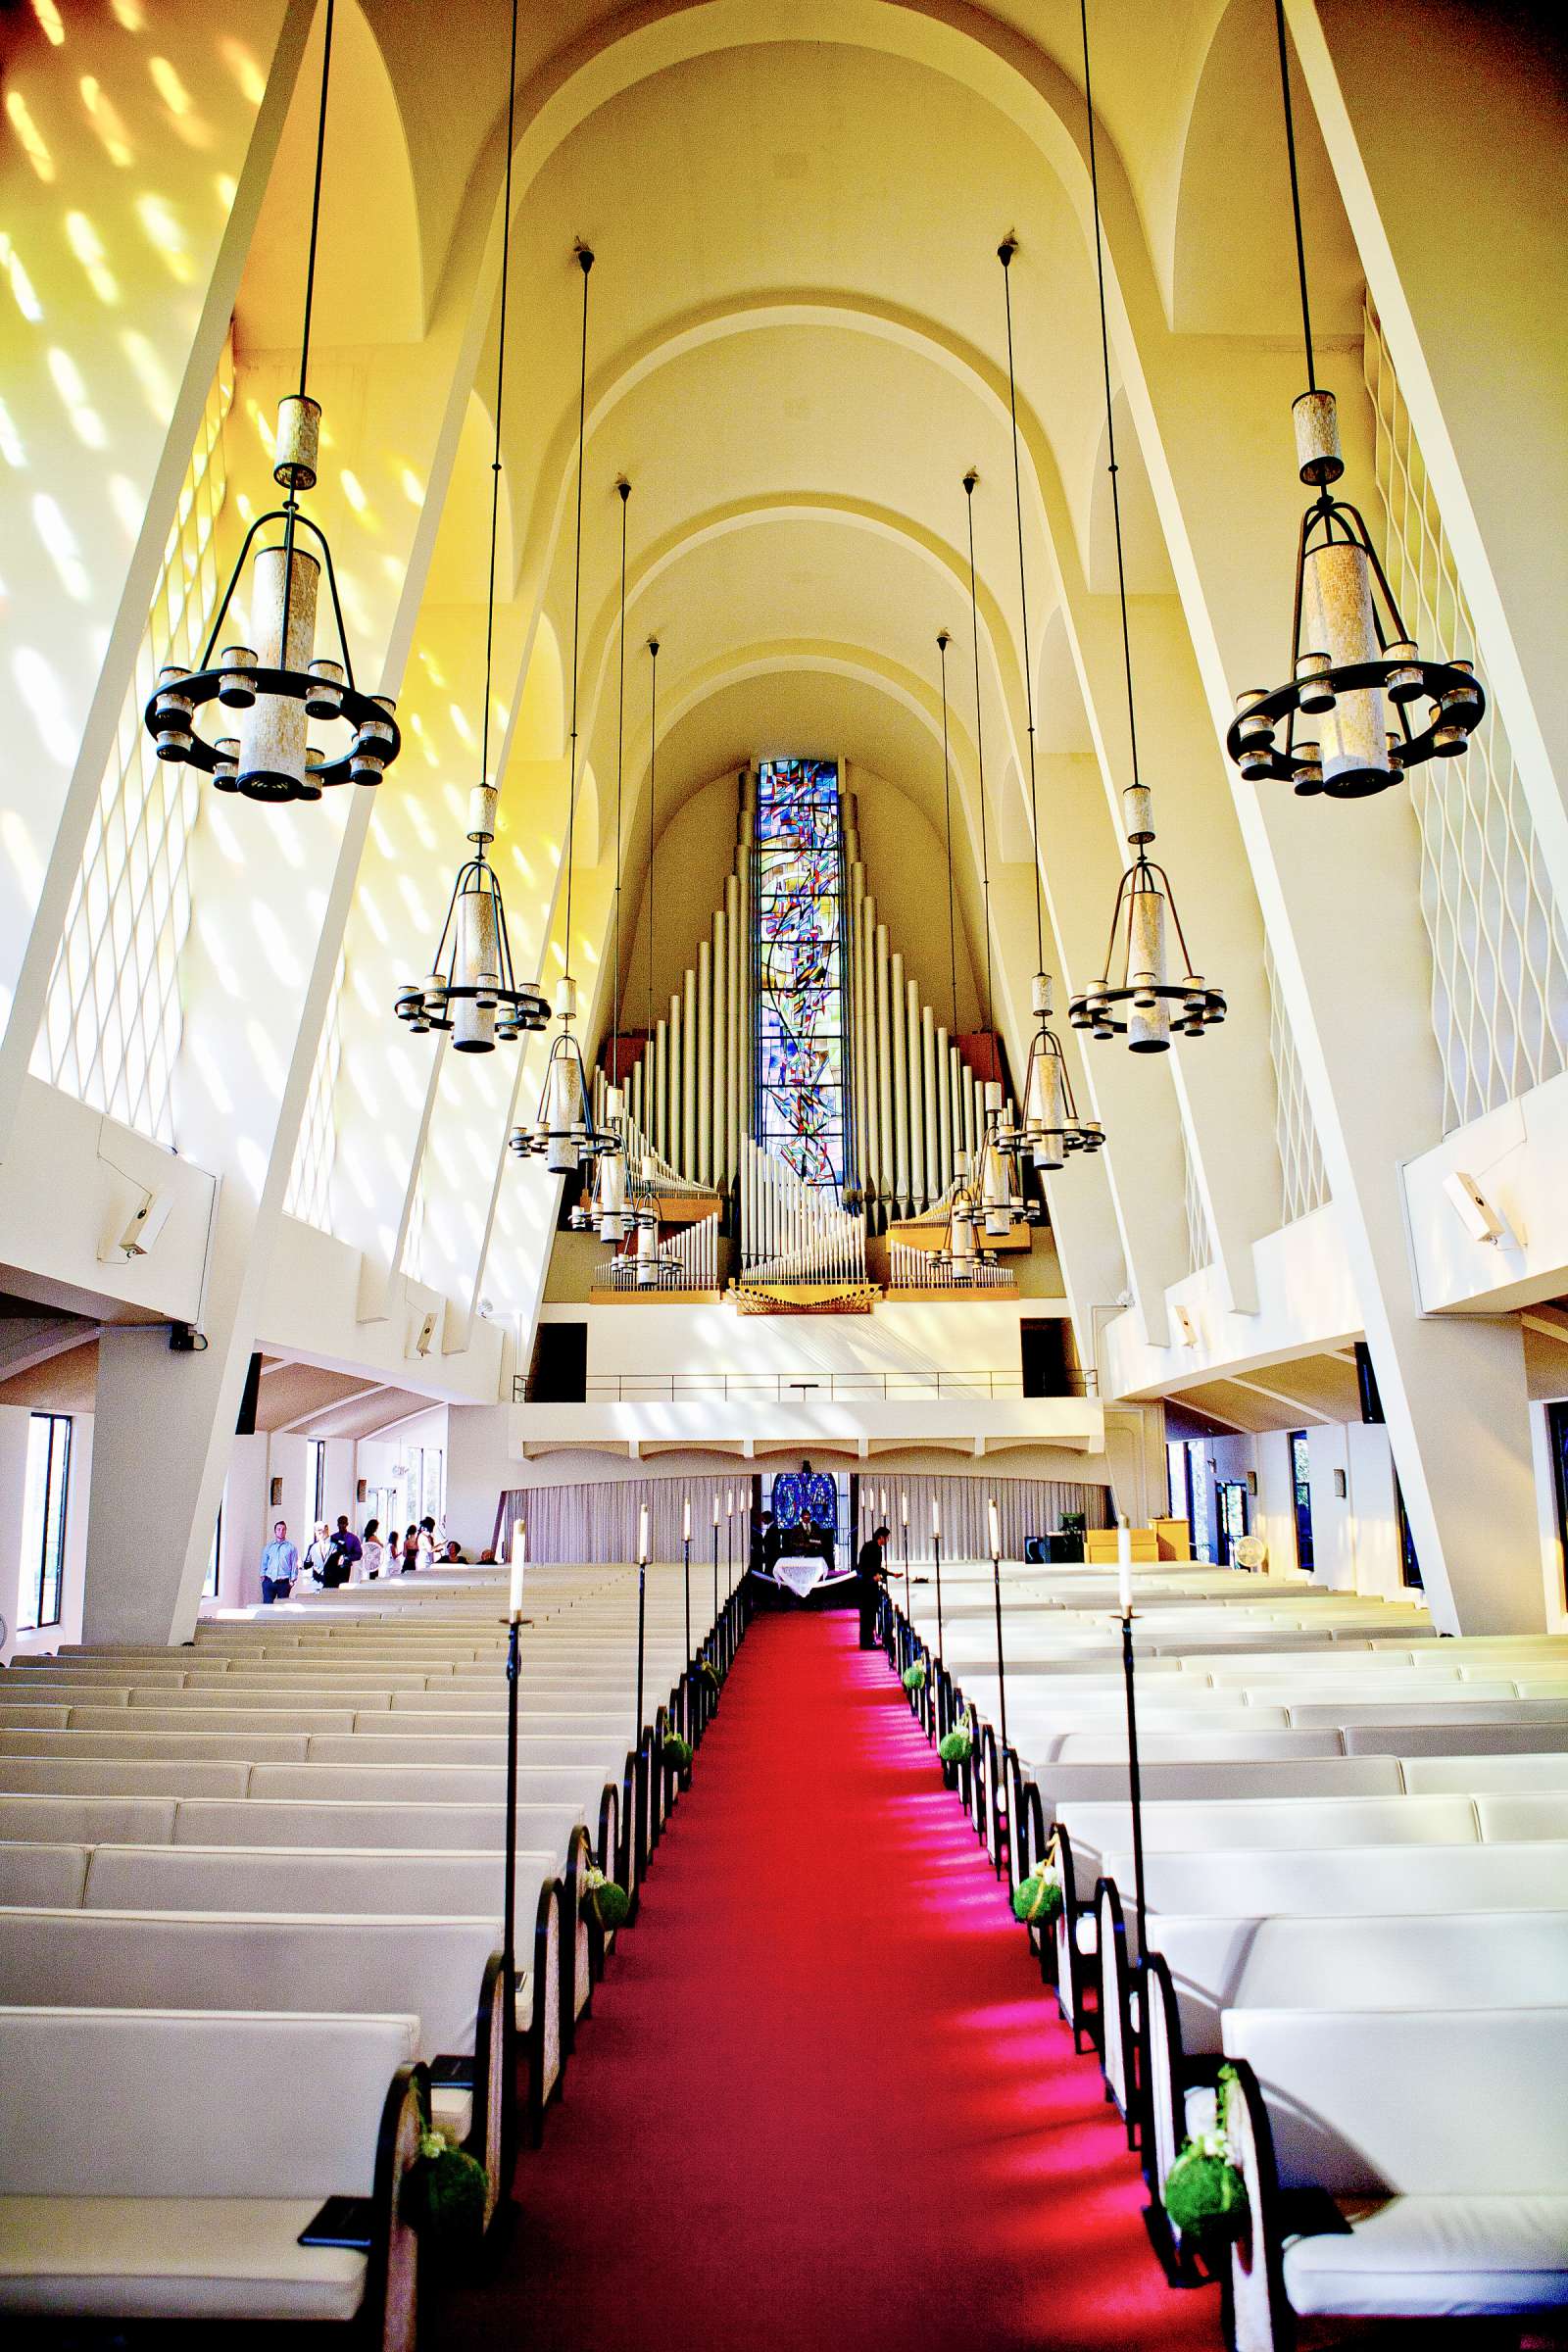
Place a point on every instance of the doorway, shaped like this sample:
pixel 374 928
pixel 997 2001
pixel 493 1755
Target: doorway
pixel 1231 1496
pixel 1301 1484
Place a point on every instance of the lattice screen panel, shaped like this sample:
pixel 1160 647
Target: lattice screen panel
pixel 1305 1183
pixel 310 1182
pixel 1500 945
pixel 112 1027
pixel 1201 1250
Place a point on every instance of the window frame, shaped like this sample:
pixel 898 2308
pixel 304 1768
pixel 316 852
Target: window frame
pixel 54 1512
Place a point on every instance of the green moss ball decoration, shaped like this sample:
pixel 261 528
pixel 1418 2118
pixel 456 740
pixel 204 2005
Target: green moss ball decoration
pixel 956 1747
pixel 1205 2196
pixel 676 1753
pixel 915 1676
pixel 611 1903
pixel 1037 1899
pixel 444 2198
pixel 711 1674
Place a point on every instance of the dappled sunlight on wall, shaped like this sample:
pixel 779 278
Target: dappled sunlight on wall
pixel 112 1030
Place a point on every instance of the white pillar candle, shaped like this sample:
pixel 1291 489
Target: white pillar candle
pixel 904 1507
pixel 1124 1568
pixel 642 1534
pixel 996 1529
pixel 729 1504
pixel 686 1521
pixel 716 1510
pixel 519 1555
pixel 936 1517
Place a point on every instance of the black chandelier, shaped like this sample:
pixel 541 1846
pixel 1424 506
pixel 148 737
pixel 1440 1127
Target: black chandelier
pixel 472 991
pixel 1136 996
pixel 1050 1127
pixel 1352 657
pixel 565 1134
pixel 281 683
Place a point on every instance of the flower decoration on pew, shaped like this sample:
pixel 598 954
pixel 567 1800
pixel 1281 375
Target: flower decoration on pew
pixel 1038 1899
pixel 610 1901
pixel 957 1745
pixel 1204 2194
pixel 711 1676
pixel 444 2197
pixel 915 1676
pixel 676 1753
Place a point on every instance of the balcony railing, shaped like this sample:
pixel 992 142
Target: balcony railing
pixel 835 1388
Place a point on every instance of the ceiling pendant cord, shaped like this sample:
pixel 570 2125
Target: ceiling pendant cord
pixel 501 386
pixel 653 850
pixel 623 490
pixel 943 643
pixel 1110 416
pixel 315 197
pixel 970 481
pixel 585 261
pixel 1004 253
pixel 1295 192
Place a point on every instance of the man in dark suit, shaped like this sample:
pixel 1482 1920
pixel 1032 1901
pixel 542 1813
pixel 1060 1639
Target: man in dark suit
pixel 872 1575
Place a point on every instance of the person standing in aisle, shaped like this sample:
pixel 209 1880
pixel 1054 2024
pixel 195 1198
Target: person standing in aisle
pixel 872 1575
pixel 427 1543
pixel 371 1550
pixel 410 1552
pixel 280 1565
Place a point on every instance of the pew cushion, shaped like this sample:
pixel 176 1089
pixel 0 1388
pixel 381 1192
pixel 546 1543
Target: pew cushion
pixel 216 2258
pixel 1436 2257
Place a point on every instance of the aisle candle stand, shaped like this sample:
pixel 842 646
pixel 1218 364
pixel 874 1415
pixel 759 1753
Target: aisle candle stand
pixel 509 1895
pixel 904 1515
pixel 729 1545
pixel 642 1612
pixel 715 1561
pixel 686 1570
pixel 1124 1603
pixel 996 1586
pixel 936 1546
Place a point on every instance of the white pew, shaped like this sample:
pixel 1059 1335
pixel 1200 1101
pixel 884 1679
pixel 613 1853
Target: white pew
pixel 1493 1775
pixel 1441 2141
pixel 1172 1826
pixel 1200 1967
pixel 53 1874
pixel 103 2217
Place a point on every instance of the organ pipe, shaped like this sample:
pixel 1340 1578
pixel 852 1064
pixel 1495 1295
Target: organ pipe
pixel 917 1097
pixel 934 1181
pixel 702 1165
pixel 688 1075
pixel 900 1082
pixel 884 1066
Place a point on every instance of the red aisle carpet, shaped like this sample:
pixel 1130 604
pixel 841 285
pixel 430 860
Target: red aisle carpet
pixel 823 2100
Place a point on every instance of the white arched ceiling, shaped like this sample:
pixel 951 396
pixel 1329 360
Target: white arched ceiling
pixel 370 271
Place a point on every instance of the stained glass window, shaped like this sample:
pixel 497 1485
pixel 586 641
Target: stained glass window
pixel 798 884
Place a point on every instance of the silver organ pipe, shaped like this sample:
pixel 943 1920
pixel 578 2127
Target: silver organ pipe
pixel 934 1177
pixel 688 1262
pixel 918 1183
pixel 701 1167
pixel 913 1269
pixel 672 1145
pixel 688 1074
pixel 737 1032
pixel 796 1231
pixel 899 1053
pixel 944 1063
pixel 884 1066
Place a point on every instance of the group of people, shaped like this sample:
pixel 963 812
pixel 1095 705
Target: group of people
pixel 337 1556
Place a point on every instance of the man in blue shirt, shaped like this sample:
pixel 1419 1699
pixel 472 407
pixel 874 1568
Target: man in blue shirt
pixel 280 1565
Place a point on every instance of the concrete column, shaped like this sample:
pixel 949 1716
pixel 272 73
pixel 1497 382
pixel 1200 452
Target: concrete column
pixel 1337 887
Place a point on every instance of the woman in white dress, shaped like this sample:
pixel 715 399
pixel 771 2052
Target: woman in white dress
pixel 371 1550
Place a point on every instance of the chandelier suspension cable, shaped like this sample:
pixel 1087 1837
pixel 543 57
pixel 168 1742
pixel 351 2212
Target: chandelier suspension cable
pixel 1110 413
pixel 943 643
pixel 624 488
pixel 1295 192
pixel 316 193
pixel 501 386
pixel 653 848
pixel 970 481
pixel 1004 253
pixel 585 261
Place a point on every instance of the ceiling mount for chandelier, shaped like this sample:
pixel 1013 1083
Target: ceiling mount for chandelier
pixel 1352 655
pixel 281 683
pixel 472 991
pixel 1049 1127
pixel 608 1209
pixel 1136 996
pixel 565 1134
